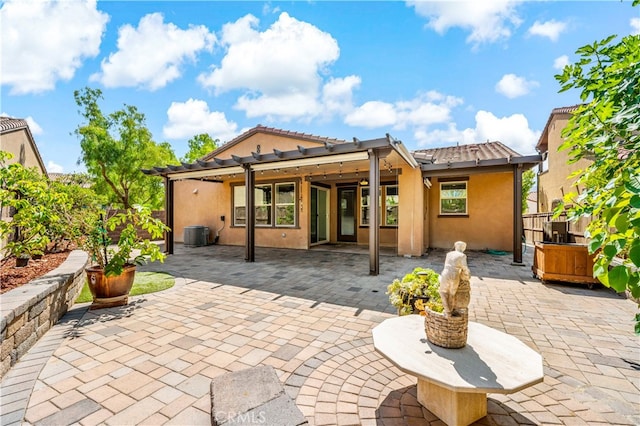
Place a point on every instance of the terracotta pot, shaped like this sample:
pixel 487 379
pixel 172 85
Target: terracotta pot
pixel 110 291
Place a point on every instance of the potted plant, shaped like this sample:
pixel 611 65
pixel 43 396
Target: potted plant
pixel 416 289
pixel 114 264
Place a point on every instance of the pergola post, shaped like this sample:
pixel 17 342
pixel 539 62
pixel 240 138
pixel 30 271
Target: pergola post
pixel 517 215
pixel 168 211
pixel 250 214
pixel 374 215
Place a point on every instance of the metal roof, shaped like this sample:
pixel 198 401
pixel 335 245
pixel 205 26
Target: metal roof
pixel 327 148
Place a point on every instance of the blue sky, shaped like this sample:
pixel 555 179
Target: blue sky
pixel 429 73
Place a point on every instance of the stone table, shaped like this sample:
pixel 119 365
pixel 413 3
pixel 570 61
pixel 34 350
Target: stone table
pixel 453 383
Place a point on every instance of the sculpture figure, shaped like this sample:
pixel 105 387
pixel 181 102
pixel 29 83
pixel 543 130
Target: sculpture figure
pixel 454 274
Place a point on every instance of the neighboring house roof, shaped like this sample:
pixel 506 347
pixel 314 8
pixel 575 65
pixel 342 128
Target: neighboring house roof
pixel 272 131
pixel 543 143
pixel 9 125
pixel 486 154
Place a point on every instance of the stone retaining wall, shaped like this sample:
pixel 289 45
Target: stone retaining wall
pixel 29 311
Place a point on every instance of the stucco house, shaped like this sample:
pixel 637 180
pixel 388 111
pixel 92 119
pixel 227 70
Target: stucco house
pixel 16 138
pixel 310 190
pixel 554 170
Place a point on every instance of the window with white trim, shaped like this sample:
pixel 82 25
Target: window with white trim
pixel 453 198
pixel 286 204
pixel 282 206
pixel 387 205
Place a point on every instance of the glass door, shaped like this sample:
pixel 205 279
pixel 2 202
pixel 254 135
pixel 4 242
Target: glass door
pixel 347 198
pixel 319 215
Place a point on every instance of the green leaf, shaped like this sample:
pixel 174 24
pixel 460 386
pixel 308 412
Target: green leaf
pixel 633 184
pixel 634 254
pixel 618 278
pixel 595 243
pixel 635 201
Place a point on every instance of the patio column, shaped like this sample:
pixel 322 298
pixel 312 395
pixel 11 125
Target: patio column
pixel 374 215
pixel 517 215
pixel 168 211
pixel 250 214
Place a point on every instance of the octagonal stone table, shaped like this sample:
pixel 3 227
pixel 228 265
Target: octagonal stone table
pixel 453 383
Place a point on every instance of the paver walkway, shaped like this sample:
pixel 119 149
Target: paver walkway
pixel 310 314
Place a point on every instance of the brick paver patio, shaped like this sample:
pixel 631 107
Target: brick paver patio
pixel 310 314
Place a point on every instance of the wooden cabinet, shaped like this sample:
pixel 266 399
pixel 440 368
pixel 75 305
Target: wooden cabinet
pixel 563 262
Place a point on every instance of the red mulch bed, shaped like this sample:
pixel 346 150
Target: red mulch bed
pixel 12 277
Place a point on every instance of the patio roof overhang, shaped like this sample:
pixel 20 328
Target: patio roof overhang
pixel 330 153
pixel 479 166
pixel 356 152
pixel 511 164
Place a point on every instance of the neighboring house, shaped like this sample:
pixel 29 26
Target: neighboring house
pixel 16 138
pixel 312 190
pixel 554 171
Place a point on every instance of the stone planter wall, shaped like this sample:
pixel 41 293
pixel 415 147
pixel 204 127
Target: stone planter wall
pixel 29 311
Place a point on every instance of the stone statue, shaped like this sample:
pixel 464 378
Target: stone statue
pixel 455 281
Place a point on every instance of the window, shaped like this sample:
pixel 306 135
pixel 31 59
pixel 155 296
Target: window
pixel 387 204
pixel 391 205
pixel 239 211
pixel 263 195
pixel 285 204
pixel 283 207
pixel 453 198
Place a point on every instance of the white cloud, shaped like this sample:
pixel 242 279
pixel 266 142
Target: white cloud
pixel 513 86
pixel 550 29
pixel 46 41
pixel 279 70
pixel 190 118
pixel 560 62
pixel 488 21
pixel 337 94
pixel 635 26
pixel 512 131
pixel 373 114
pixel 420 112
pixel 153 54
pixel 34 127
pixel 54 168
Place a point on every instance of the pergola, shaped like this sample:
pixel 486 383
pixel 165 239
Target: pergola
pixel 368 151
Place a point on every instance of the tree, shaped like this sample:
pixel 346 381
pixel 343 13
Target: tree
pixel 606 129
pixel 115 148
pixel 199 146
pixel 528 180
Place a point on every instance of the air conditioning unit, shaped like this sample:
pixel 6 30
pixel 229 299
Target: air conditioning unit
pixel 196 236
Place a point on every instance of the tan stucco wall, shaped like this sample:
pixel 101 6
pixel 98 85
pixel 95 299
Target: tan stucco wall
pixel 18 144
pixel 410 215
pixel 489 224
pixel 555 182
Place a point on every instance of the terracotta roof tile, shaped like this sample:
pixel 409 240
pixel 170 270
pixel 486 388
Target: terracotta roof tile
pixel 273 131
pixel 8 124
pixel 469 152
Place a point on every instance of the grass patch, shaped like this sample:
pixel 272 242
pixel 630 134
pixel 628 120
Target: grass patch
pixel 144 282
